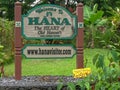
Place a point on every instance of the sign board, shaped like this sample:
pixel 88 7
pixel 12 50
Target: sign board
pixel 48 51
pixel 49 22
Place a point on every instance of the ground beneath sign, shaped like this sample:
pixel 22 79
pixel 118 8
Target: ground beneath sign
pixel 35 82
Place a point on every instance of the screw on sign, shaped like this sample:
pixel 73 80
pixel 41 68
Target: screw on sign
pixel 80 25
pixel 18 24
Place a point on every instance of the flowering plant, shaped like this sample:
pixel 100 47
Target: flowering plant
pixel 81 73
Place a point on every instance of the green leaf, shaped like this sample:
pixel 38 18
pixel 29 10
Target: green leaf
pixel 2 54
pixel 1 61
pixel 95 7
pixel 87 85
pixel 98 85
pixel 114 86
pixel 102 41
pixel 59 87
pixel 100 62
pixel 102 22
pixel 1 47
pixel 71 86
pixel 115 55
pixel 81 84
pixel 94 60
pixel 87 12
pixel 96 16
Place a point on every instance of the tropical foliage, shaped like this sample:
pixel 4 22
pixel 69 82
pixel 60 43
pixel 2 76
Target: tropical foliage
pixel 106 76
pixel 4 59
pixel 6 33
pixel 115 19
pixel 99 30
pixel 6 43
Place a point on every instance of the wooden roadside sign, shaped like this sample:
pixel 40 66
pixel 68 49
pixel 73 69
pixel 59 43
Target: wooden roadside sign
pixel 49 22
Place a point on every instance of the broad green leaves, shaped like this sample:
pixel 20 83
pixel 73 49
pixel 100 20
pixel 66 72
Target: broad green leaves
pixel 1 47
pixel 98 61
pixel 92 16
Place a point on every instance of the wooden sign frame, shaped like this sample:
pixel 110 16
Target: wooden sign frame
pixel 18 40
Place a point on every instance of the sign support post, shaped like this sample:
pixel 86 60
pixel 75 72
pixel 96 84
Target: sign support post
pixel 17 40
pixel 80 37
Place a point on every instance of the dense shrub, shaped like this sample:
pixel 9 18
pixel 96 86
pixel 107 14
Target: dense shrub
pixel 6 33
pixel 6 41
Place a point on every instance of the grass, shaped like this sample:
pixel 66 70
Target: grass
pixel 53 66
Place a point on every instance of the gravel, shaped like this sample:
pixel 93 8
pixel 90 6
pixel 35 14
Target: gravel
pixel 35 82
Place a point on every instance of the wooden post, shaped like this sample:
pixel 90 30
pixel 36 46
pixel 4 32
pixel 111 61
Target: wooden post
pixel 17 40
pixel 80 37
